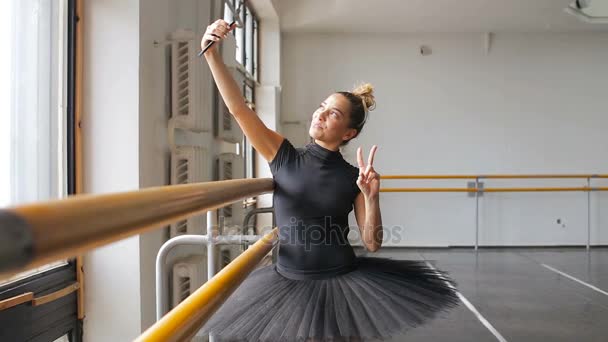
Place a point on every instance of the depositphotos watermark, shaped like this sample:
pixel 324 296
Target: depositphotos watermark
pixel 328 231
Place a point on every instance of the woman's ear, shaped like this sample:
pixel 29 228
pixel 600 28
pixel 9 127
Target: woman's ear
pixel 350 133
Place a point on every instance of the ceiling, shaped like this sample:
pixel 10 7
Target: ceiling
pixel 431 16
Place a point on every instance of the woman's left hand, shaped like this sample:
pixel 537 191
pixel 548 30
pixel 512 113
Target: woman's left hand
pixel 369 179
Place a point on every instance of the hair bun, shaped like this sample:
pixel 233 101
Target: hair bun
pixel 366 92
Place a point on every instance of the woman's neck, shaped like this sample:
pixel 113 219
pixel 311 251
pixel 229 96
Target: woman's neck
pixel 329 146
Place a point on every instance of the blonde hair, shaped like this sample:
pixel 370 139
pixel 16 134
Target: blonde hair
pixel 362 101
pixel 366 92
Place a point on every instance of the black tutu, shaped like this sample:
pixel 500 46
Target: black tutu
pixel 381 298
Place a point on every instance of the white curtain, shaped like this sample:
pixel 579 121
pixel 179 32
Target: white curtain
pixel 33 114
pixel 37 123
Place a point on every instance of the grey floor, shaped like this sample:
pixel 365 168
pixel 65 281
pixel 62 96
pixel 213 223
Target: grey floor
pixel 519 293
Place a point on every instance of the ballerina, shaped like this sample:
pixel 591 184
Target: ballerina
pixel 319 290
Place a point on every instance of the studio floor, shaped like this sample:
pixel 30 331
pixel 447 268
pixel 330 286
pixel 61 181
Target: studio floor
pixel 515 294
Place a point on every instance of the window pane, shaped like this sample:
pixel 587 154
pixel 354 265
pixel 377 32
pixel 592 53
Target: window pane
pixel 240 35
pixel 248 93
pixel 33 121
pixel 63 338
pixel 6 61
pixel 37 101
pixel 228 15
pixel 249 42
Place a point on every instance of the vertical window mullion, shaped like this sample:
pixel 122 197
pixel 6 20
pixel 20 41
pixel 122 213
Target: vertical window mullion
pixel 71 100
pixel 249 42
pixel 255 49
pixel 243 48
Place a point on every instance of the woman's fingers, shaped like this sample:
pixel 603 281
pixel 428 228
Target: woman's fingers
pixel 360 181
pixel 363 175
pixel 372 153
pixel 217 31
pixel 370 159
pixel 223 27
pixel 372 176
pixel 220 23
pixel 360 158
pixel 211 36
pixel 369 174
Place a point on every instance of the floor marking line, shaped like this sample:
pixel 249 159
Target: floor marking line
pixel 575 279
pixel 477 314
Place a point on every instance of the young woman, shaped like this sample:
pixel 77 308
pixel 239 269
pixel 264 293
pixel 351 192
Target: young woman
pixel 319 290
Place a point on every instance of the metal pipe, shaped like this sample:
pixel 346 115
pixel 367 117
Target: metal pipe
pixel 476 213
pixel 209 240
pixel 162 275
pixel 253 212
pixel 588 214
pixel 162 271
pixel 212 230
pixel 191 314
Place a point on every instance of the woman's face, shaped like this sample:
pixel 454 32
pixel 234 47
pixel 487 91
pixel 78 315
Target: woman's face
pixel 331 119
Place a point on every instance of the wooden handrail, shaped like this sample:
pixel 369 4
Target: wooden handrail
pixel 547 189
pixel 35 234
pixel 182 323
pixel 78 151
pixel 37 301
pixel 16 300
pixel 498 176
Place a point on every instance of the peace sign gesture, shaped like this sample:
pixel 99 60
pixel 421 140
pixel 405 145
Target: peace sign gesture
pixel 369 179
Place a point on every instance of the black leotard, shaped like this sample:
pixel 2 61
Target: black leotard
pixel 314 192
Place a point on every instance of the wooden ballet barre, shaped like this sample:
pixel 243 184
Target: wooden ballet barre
pixel 36 234
pixel 183 322
pixel 506 176
pixel 428 190
pixel 547 189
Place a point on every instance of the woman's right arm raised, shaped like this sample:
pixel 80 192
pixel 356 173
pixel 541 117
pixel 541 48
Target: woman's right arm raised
pixel 263 139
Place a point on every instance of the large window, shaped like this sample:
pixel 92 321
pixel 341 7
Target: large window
pixel 33 144
pixel 36 158
pixel 246 35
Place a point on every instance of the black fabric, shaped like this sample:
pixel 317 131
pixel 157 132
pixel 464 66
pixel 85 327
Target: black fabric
pixel 315 189
pixel 380 299
pixel 319 290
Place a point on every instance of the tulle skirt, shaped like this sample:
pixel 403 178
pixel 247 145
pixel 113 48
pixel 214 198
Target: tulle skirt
pixel 381 298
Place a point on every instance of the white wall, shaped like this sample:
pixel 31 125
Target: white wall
pixel 159 18
pixel 110 129
pixel 536 103
pixel 156 21
pixel 126 145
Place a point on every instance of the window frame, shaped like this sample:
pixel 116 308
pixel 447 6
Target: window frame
pixel 250 76
pixel 59 317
